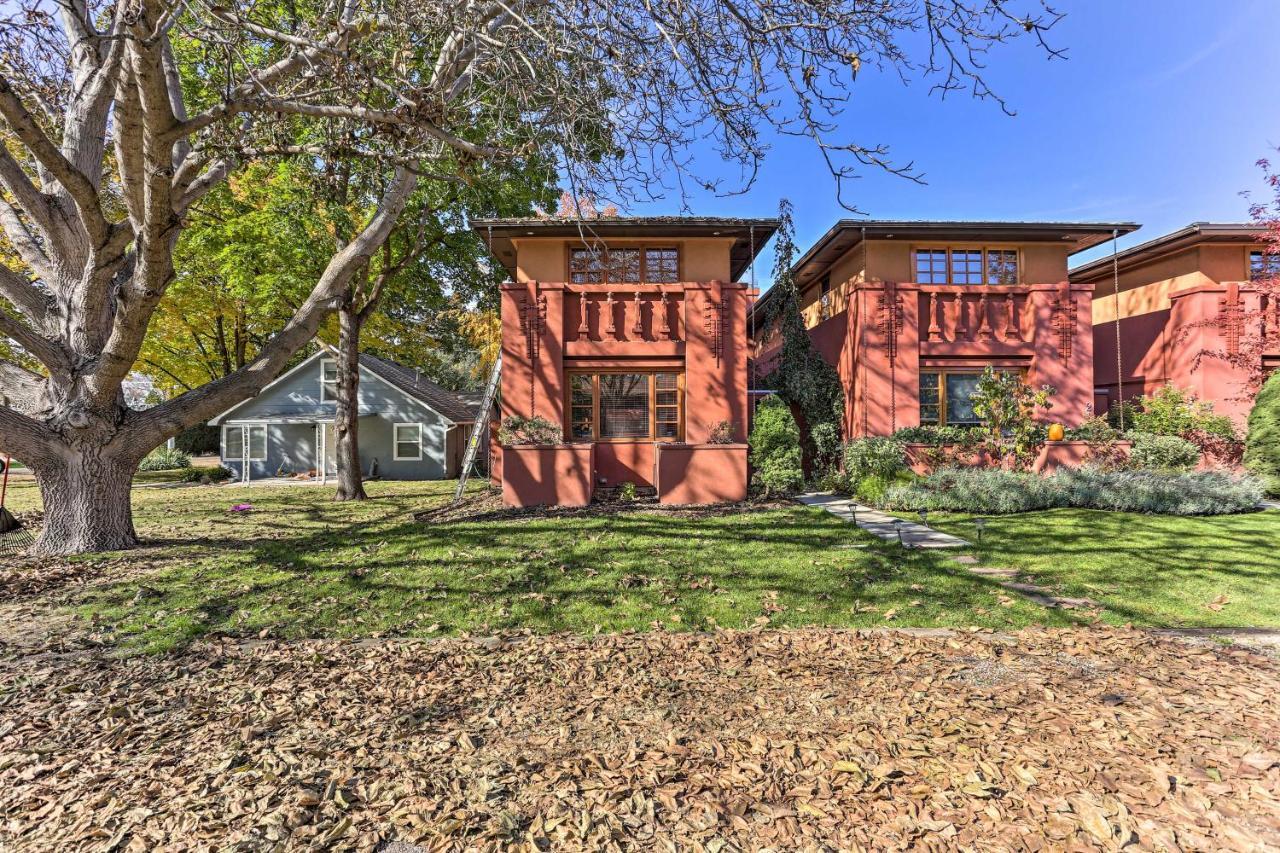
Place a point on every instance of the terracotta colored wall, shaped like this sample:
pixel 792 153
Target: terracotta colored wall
pixel 548 476
pixel 715 374
pixel 713 473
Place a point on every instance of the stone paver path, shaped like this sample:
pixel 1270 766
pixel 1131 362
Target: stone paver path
pixel 914 534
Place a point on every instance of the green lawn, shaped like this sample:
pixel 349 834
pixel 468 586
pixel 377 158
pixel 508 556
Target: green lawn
pixel 1216 571
pixel 300 565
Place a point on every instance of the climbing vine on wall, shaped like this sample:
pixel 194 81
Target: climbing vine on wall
pixel 801 377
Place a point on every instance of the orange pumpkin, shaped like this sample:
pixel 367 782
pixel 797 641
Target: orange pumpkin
pixel 1057 432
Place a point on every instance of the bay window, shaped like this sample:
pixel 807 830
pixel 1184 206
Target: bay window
pixel 622 406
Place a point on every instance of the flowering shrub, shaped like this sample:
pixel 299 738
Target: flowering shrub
pixel 535 430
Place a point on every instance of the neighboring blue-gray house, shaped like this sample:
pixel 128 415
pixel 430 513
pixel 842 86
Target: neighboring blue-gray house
pixel 410 428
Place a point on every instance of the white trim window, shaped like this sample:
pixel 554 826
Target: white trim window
pixel 328 380
pixel 406 442
pixel 233 437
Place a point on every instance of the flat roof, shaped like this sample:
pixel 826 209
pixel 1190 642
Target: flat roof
pixel 750 234
pixel 1174 241
pixel 847 233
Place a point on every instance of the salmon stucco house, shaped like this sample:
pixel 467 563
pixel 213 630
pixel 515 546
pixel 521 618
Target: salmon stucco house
pixel 629 335
pixel 911 312
pixel 1177 297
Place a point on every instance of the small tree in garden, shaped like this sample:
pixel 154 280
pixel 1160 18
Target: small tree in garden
pixel 1262 446
pixel 801 376
pixel 1007 407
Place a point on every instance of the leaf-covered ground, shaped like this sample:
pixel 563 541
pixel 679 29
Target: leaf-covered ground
pixel 786 740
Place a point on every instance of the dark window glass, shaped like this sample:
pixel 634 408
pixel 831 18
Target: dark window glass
pixel 624 405
pixel 581 406
pixel 930 411
pixel 1002 266
pixel 931 266
pixel 667 405
pixel 959 391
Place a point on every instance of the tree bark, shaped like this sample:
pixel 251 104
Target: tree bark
pixel 346 418
pixel 86 503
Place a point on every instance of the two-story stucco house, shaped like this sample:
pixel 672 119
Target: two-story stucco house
pixel 911 312
pixel 1177 297
pixel 409 427
pixel 629 335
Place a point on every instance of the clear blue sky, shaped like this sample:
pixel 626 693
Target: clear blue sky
pixel 1157 115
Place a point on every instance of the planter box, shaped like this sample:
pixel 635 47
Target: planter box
pixel 548 474
pixel 924 458
pixel 701 473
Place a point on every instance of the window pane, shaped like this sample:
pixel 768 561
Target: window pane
pixel 586 266
pixel 1263 266
pixel 624 265
pixel 1002 266
pixel 960 388
pixel 258 442
pixel 662 266
pixel 580 405
pixel 624 405
pixel 408 441
pixel 931 266
pixel 929 398
pixel 233 442
pixel 966 266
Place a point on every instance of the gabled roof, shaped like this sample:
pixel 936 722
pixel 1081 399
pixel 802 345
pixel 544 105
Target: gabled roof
pixel 750 234
pixel 1174 241
pixel 412 382
pixel 405 379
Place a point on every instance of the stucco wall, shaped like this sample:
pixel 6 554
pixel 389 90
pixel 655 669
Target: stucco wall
pixel 546 258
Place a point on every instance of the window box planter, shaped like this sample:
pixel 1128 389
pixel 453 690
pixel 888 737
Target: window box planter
pixel 701 473
pixel 548 474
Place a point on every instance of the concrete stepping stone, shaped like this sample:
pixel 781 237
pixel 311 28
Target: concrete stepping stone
pixel 883 525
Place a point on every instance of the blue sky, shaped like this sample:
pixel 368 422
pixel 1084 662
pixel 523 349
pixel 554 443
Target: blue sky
pixel 1157 115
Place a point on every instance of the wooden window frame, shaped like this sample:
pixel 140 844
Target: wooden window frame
pixel 642 248
pixel 985 266
pixel 652 436
pixel 942 373
pixel 395 443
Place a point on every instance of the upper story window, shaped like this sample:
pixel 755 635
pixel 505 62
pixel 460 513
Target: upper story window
pixel 1263 265
pixel 966 266
pixel 328 380
pixel 624 265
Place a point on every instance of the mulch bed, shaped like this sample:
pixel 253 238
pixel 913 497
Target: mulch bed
pixel 813 739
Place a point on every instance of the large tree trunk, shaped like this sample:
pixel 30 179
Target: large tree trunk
pixel 86 503
pixel 346 420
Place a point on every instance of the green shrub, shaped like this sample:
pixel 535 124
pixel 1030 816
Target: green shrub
pixel 874 457
pixel 198 440
pixel 1262 446
pixel 207 476
pixel 164 459
pixel 627 492
pixel 535 430
pixel 826 447
pixel 937 436
pixel 1095 430
pixel 1172 411
pixel 775 449
pixel 1162 452
pixel 996 492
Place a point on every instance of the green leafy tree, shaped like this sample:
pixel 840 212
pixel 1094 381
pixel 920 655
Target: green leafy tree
pixel 800 375
pixel 1262 446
